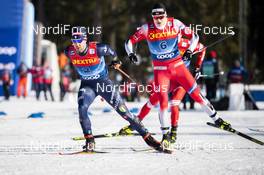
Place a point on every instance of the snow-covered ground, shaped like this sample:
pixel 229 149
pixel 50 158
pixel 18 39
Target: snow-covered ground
pixel 30 146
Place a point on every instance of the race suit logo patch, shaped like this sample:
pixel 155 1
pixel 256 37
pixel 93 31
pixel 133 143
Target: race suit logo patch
pixel 91 51
pixel 122 108
pixel 162 35
pixel 85 62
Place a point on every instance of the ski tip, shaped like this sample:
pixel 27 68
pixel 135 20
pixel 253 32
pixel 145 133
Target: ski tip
pixel 210 124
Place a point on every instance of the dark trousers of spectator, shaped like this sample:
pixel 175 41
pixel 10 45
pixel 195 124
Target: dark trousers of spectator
pixel 38 88
pixel 48 88
pixel 210 90
pixel 62 91
pixel 185 99
pixel 6 90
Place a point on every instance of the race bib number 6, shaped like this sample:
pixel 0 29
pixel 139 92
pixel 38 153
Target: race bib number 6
pixel 163 45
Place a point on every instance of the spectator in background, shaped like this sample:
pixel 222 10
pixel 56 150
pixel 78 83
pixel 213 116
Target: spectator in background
pixel 187 98
pixel 237 74
pixel 22 71
pixel 62 60
pixel 48 82
pixel 37 76
pixel 236 78
pixel 6 80
pixel 209 68
pixel 64 82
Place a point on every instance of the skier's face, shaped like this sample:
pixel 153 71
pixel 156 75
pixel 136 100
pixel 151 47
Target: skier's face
pixel 160 20
pixel 80 46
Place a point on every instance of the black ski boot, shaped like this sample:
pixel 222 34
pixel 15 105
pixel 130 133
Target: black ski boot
pixel 166 141
pixel 89 144
pixel 127 130
pixel 222 124
pixel 173 134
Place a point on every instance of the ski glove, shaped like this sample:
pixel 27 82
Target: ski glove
pixel 197 73
pixel 133 58
pixel 115 64
pixel 187 55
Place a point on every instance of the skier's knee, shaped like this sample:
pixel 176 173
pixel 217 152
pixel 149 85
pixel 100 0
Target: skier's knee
pixel 175 103
pixel 197 96
pixel 164 103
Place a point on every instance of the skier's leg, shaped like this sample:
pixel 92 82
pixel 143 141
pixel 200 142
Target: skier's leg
pixel 186 80
pixel 112 96
pixel 114 99
pixel 86 96
pixel 177 96
pixel 153 100
pixel 162 82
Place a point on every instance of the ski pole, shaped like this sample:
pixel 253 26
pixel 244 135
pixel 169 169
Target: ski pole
pixel 213 75
pixel 216 74
pixel 214 43
pixel 117 67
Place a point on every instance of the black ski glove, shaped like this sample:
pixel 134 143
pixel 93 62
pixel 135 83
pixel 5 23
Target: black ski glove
pixel 133 58
pixel 115 63
pixel 187 55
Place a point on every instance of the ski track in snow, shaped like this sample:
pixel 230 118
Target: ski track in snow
pixel 31 146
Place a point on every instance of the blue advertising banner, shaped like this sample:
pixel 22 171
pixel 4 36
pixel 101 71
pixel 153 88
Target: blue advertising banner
pixel 11 15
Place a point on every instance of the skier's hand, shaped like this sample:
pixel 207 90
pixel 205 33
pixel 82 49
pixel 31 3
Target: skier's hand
pixel 115 64
pixel 187 55
pixel 197 73
pixel 133 57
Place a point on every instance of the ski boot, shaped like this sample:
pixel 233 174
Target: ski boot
pixel 166 140
pixel 89 144
pixel 127 130
pixel 222 124
pixel 173 134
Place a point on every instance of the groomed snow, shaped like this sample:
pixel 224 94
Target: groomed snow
pixel 30 146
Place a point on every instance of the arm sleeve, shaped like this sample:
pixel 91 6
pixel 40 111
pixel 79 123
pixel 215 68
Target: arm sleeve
pixel 105 50
pixel 200 56
pixel 186 31
pixel 136 37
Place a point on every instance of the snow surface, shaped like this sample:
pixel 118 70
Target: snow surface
pixel 31 146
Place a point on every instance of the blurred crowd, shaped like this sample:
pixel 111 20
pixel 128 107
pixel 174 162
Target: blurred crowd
pixel 214 84
pixel 42 80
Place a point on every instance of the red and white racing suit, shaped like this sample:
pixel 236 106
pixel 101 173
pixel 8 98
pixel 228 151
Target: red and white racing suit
pixel 177 92
pixel 169 68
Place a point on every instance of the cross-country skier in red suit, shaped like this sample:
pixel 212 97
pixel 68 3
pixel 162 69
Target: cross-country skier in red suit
pixel 176 93
pixel 162 35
